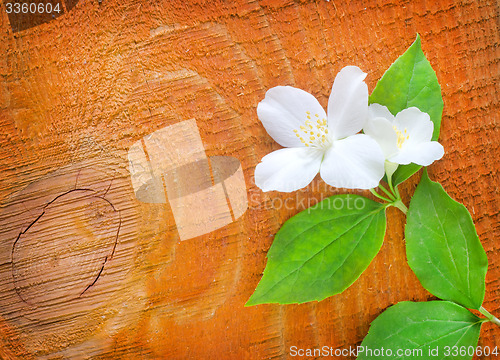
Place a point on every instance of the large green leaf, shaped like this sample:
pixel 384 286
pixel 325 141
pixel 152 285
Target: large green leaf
pixel 410 81
pixel 442 246
pixel 322 250
pixel 425 330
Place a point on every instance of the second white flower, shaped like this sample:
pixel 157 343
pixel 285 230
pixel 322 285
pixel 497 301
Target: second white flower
pixel 404 138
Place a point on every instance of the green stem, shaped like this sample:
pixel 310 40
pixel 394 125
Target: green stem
pixel 396 191
pixel 399 204
pixel 387 192
pixel 380 196
pixel 490 317
pixel 389 181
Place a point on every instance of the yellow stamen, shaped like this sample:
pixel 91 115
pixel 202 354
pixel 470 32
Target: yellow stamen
pixel 402 136
pixel 313 133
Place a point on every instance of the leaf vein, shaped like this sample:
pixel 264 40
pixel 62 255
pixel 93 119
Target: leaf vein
pixel 444 235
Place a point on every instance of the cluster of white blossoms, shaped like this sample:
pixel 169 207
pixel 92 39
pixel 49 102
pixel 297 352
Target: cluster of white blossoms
pixel 332 144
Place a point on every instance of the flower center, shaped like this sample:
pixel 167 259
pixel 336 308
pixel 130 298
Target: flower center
pixel 314 132
pixel 402 136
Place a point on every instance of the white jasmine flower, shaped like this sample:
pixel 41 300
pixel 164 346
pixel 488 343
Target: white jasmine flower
pixel 315 142
pixel 404 138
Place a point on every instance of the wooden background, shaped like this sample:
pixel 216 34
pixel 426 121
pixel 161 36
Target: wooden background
pixel 77 91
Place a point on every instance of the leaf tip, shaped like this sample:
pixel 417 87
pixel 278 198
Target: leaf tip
pixel 417 44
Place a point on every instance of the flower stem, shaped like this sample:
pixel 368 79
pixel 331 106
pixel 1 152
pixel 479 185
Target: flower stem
pixel 396 191
pixel 380 196
pixel 387 192
pixel 399 204
pixel 389 181
pixel 490 317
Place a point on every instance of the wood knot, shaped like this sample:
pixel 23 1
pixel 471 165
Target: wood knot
pixel 62 253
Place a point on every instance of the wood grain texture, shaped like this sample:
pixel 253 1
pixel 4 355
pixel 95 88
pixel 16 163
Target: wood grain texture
pixel 78 91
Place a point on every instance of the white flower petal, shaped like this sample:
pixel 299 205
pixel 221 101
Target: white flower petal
pixel 422 154
pixel 377 110
pixel 284 109
pixel 288 169
pixel 417 123
pixel 381 130
pixel 348 103
pixel 356 162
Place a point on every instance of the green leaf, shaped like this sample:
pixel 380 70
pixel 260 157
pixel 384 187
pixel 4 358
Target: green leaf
pixel 425 330
pixel 410 81
pixel 442 246
pixel 404 172
pixel 322 250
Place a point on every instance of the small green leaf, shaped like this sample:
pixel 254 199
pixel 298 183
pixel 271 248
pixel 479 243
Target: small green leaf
pixel 410 81
pixel 424 330
pixel 442 246
pixel 322 250
pixel 404 172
